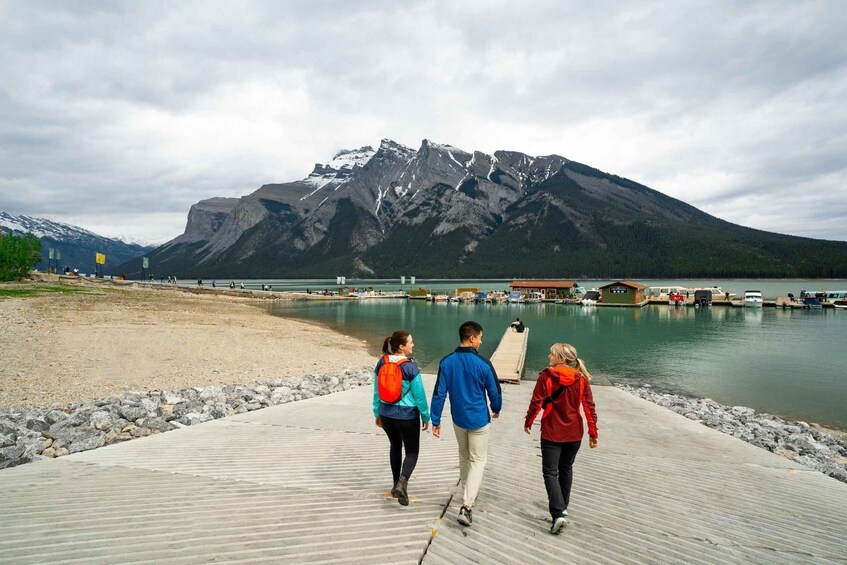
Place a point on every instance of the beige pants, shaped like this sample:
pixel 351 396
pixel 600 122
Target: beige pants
pixel 473 453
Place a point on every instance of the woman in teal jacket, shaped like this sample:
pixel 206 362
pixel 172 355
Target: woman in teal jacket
pixel 400 419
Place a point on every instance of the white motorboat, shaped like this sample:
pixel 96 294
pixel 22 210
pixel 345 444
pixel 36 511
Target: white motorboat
pixel 534 297
pixel 753 298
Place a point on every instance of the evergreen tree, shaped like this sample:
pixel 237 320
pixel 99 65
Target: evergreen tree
pixel 18 255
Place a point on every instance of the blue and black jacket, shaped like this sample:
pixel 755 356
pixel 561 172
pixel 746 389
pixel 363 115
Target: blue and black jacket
pixel 468 377
pixel 412 401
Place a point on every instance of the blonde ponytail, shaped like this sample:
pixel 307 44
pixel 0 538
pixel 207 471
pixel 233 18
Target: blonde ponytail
pixel 565 354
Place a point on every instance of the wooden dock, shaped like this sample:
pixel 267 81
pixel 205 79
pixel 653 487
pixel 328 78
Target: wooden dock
pixel 510 356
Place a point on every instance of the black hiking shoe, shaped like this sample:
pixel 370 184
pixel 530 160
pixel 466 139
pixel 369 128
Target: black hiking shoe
pixel 399 491
pixel 465 516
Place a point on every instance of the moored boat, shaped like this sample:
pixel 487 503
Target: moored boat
pixel 533 297
pixel 676 299
pixel 591 298
pixel 753 298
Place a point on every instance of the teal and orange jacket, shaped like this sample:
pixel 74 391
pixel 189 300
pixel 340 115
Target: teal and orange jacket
pixel 412 403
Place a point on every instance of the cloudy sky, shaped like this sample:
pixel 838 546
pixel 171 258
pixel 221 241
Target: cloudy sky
pixel 117 116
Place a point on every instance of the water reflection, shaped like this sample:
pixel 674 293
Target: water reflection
pixel 788 362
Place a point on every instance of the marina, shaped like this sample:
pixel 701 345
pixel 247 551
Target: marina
pixel 785 361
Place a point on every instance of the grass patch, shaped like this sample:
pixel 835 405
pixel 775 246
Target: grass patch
pixel 16 291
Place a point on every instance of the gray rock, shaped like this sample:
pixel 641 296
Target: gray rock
pixel 8 439
pixel 102 420
pixel 54 416
pixel 171 398
pixel 132 412
pixel 212 394
pixel 85 440
pixel 156 424
pixel 8 427
pixel 194 418
pixel 152 407
pixel 32 442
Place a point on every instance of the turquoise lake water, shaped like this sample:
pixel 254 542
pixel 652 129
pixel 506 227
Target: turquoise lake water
pixel 792 363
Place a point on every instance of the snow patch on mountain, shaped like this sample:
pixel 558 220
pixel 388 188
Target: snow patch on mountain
pixel 351 158
pixel 42 227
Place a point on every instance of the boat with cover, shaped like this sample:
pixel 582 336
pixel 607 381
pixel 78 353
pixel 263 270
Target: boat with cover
pixel 753 298
pixel 716 291
pixel 591 298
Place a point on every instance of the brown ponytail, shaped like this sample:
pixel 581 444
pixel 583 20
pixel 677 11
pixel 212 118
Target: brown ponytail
pixel 392 344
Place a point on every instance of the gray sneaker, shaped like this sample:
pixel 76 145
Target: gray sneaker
pixel 558 525
pixel 465 516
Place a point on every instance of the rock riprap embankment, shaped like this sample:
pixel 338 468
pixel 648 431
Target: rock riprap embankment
pixel 35 433
pixel 806 444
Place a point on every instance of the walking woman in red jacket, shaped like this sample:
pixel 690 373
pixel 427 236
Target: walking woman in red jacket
pixel 561 389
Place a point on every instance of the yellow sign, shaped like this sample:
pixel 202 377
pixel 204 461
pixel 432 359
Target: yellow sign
pixel 100 258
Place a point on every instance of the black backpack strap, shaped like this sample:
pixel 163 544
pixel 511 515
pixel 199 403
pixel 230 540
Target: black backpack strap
pixel 553 396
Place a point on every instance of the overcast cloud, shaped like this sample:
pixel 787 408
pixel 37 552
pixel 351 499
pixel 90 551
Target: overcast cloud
pixel 117 116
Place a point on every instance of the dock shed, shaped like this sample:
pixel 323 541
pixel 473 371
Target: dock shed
pixel 552 290
pixel 623 293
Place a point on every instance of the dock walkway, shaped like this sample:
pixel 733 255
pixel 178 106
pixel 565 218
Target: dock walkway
pixel 307 481
pixel 510 356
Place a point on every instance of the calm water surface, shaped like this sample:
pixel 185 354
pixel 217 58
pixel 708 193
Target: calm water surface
pixel 792 363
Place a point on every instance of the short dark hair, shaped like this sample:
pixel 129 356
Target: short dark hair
pixel 469 330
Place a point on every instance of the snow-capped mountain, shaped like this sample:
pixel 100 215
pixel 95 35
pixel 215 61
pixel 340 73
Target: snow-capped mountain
pixel 42 227
pixel 441 211
pixel 78 246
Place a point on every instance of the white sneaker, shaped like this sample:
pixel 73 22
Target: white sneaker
pixel 559 524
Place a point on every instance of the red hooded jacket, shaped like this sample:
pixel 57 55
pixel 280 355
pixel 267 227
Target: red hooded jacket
pixel 561 420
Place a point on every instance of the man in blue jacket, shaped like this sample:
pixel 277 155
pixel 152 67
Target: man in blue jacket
pixel 467 377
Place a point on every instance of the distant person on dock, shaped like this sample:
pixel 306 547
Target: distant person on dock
pixel 560 391
pixel 467 377
pixel 242 285
pixel 399 406
pixel 518 326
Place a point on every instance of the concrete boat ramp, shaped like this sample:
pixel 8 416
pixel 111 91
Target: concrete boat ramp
pixel 306 482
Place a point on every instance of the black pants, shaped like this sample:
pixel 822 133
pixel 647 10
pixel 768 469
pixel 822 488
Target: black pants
pixel 557 467
pixel 402 433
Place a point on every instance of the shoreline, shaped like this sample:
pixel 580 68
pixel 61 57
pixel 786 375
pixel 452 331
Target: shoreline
pixel 812 445
pixel 75 341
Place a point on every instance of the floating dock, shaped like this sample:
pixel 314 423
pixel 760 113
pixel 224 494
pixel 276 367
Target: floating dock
pixel 307 482
pixel 510 356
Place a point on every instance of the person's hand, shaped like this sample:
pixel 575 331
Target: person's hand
pixel 378 423
pixel 436 431
pixel 526 429
pixel 496 415
pixel 592 442
pixel 425 426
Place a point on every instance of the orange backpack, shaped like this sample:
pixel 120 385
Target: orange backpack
pixel 389 382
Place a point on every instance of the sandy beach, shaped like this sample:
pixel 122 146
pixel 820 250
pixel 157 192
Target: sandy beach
pixel 58 348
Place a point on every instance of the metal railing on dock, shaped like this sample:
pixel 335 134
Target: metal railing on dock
pixel 510 356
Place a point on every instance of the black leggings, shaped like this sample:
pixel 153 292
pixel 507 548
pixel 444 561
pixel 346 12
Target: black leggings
pixel 402 433
pixel 557 467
